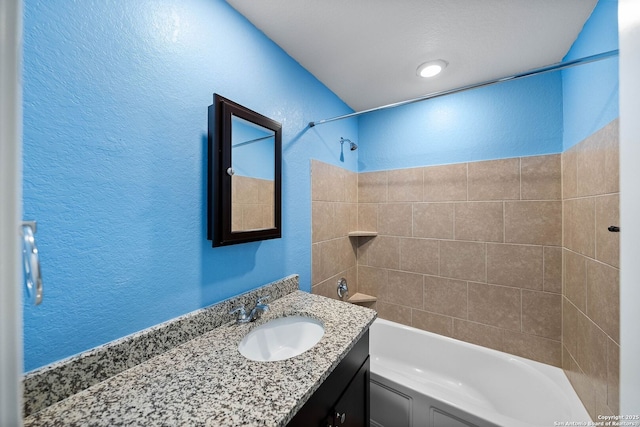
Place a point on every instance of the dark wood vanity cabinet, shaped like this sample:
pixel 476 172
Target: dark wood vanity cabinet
pixel 352 410
pixel 343 398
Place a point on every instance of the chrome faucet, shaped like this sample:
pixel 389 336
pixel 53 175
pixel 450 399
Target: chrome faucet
pixel 260 308
pixel 254 314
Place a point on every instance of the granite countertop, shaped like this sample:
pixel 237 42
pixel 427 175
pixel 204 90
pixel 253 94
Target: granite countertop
pixel 206 381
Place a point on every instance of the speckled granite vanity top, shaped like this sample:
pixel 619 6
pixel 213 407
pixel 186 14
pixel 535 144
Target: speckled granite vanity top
pixel 206 381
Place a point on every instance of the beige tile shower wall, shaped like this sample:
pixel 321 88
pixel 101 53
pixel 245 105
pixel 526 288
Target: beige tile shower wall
pixel 471 251
pixel 252 203
pixel 334 210
pixel 591 295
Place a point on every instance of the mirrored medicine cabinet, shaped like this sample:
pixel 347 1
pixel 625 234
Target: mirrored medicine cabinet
pixel 244 174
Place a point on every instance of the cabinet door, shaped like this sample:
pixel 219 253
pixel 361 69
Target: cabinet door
pixel 318 411
pixel 352 409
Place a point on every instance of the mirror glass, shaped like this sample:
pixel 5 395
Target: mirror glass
pixel 244 196
pixel 252 183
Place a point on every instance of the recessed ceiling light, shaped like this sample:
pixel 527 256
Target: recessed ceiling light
pixel 431 68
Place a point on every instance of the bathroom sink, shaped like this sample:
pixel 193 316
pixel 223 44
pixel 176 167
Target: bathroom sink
pixel 281 338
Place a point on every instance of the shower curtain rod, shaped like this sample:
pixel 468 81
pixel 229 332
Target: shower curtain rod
pixel 251 141
pixel 534 72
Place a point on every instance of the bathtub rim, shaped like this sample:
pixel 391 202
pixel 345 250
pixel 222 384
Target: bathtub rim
pixel 554 374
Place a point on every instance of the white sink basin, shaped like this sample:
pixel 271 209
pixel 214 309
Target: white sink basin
pixel 281 338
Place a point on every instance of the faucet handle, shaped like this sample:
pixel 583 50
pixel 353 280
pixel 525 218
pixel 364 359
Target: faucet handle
pixel 242 313
pixel 263 298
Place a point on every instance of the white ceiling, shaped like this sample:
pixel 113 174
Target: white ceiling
pixel 367 51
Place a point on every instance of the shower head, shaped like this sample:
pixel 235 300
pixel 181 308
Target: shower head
pixel 352 145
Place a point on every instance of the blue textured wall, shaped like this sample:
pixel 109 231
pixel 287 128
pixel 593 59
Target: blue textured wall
pixel 590 92
pixel 518 118
pixel 115 122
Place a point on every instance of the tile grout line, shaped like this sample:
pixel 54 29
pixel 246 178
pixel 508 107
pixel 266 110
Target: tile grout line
pixel 592 321
pixel 520 175
pixel 467 316
pixel 454 222
pixel 504 221
pixel 467 181
pixel 521 313
pixel 486 262
pixel 439 257
pixel 543 270
pixel 595 227
pixel 586 287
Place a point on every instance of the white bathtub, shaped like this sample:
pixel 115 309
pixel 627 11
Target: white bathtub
pixel 427 380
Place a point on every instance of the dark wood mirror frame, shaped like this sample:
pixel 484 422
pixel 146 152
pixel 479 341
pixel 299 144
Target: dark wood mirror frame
pixel 219 200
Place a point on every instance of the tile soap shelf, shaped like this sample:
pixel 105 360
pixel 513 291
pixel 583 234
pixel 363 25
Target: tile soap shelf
pixel 363 233
pixel 359 298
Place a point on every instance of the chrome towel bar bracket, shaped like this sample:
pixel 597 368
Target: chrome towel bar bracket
pixel 31 262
